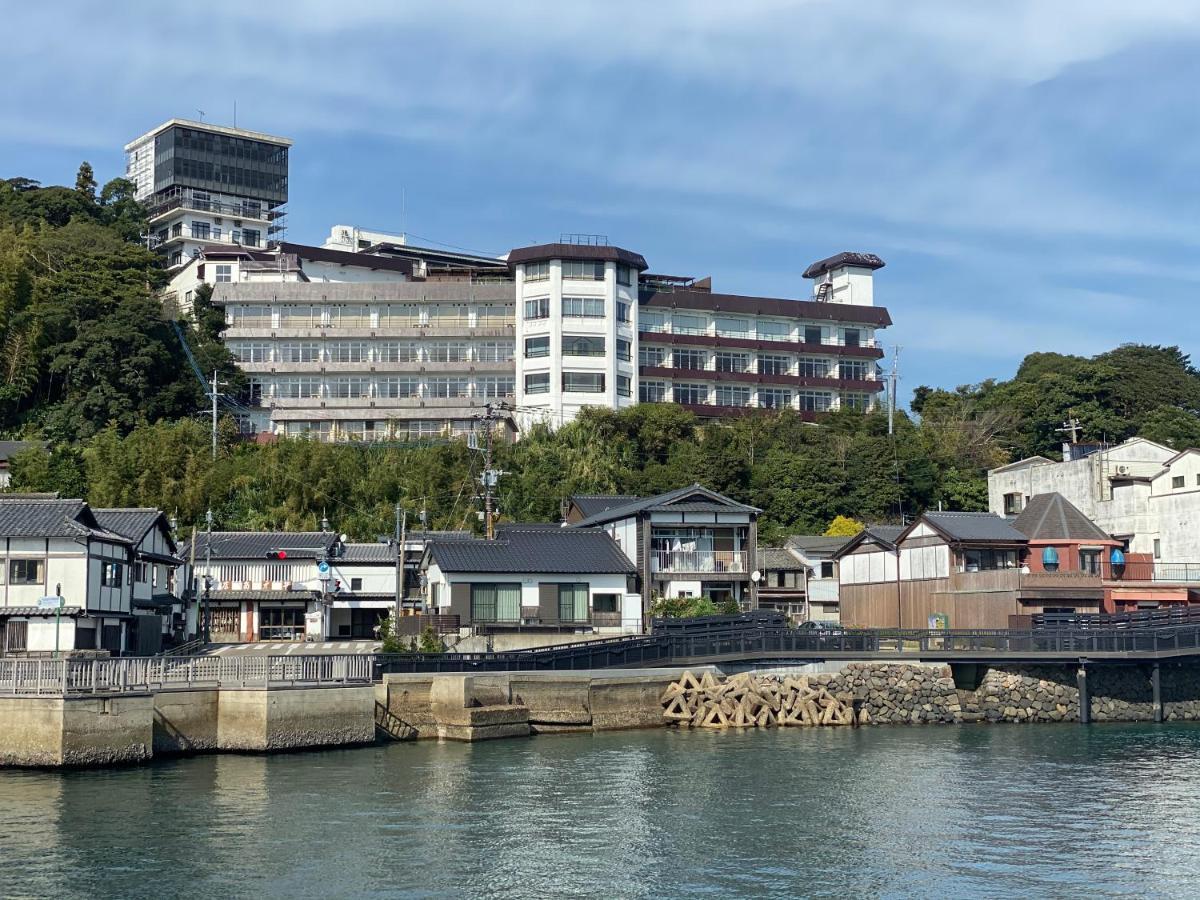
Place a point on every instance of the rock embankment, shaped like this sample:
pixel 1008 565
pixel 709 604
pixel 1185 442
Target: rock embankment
pixel 899 693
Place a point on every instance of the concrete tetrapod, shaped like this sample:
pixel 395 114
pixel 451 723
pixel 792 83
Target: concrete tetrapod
pixel 747 700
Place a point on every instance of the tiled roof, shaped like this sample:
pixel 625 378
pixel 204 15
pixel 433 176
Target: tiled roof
pixel 133 522
pixel 1048 517
pixel 9 449
pixel 593 504
pixel 40 611
pixel 51 518
pixel 816 543
pixel 974 526
pixel 256 544
pixel 779 559
pixel 519 550
pixel 676 499
pixel 848 258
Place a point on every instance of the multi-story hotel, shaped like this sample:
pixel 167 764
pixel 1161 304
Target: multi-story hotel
pixel 549 330
pixel 208 186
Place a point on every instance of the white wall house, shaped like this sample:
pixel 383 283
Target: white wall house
pixel 55 553
pixel 1138 491
pixel 155 559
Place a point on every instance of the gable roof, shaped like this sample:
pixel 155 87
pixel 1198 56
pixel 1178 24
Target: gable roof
pixel 884 535
pixel 51 517
pixel 519 550
pixel 594 504
pixel 709 501
pixel 971 526
pixel 815 543
pixel 1023 463
pixel 1048 517
pixel 779 559
pixel 132 522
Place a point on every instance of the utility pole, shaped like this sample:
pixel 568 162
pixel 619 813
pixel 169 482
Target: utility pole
pixel 206 629
pixel 893 386
pixel 401 538
pixel 215 392
pixel 490 476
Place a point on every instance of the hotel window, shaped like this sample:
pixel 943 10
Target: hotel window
pixel 681 324
pixel 583 382
pixel 449 316
pixel 690 359
pixel 773 365
pixel 574 345
pixel 493 388
pixel 855 369
pixel 299 317
pixel 350 388
pixel 299 351
pixel 250 317
pixel 493 316
pixel 851 337
pixel 201 231
pixel 583 307
pixel 177 231
pixel 583 269
pixel 537 271
pixel 731 362
pixel 347 351
pixel 536 347
pixel 774 398
pixel 397 351
pixel 537 383
pixel 625 275
pixel 349 317
pixel 652 356
pixel 494 351
pixel 423 429
pixel 250 237
pixel 624 388
pixel 695 394
pixel 1177 481
pixel 447 387
pixel 400 316
pixel 26 571
pixel 448 351
pixel 624 350
pixel 813 334
pixel 855 401
pixel 774 331
pixel 250 351
pixel 397 388
pixel 651 392
pixel 733 396
pixel 622 311
pixel 254 390
pixel 814 401
pixel 813 367
pixel 537 308
pixel 652 321
pixel 224 274
pixel 738 328
pixel 298 388
pixel 110 575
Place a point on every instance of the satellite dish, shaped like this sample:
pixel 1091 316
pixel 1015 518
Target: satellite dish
pixel 756 576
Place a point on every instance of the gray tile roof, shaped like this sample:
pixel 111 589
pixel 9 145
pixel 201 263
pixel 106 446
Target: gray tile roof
pixel 1048 517
pixel 368 553
pixel 256 544
pixel 40 611
pixel 816 543
pixel 594 504
pixel 44 517
pixel 974 526
pixel 9 449
pixel 519 550
pixel 778 559
pixel 693 493
pixel 132 522
pixel 886 533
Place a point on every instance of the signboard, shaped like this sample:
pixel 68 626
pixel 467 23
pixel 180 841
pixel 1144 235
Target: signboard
pixel 51 602
pixel 939 622
pixel 323 567
pixel 313 625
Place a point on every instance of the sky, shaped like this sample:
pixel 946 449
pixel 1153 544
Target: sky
pixel 1026 168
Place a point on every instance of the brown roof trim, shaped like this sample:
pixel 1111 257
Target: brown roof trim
pixel 577 251
pixel 769 306
pixel 847 258
pixel 345 258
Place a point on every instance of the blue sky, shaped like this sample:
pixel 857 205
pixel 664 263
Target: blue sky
pixel 1027 169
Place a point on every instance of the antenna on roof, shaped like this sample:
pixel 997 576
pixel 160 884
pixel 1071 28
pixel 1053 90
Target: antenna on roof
pixel 201 114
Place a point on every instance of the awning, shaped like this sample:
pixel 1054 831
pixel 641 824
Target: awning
pixel 39 611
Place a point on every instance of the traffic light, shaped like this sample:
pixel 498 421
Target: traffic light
pixel 276 554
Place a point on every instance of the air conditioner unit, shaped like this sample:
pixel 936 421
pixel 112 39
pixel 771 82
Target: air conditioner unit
pixel 1123 470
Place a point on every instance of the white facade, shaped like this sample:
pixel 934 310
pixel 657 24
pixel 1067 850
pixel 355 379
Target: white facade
pixel 1138 491
pixel 576 330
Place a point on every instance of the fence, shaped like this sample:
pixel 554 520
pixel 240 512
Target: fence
pixel 72 677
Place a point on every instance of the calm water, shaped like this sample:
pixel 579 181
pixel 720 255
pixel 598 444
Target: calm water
pixel 985 811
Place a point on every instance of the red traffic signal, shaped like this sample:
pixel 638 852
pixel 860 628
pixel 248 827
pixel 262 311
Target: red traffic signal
pixel 276 554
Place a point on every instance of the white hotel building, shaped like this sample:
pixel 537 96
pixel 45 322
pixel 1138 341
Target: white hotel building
pixel 420 352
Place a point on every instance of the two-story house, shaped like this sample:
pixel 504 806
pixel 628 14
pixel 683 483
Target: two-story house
pixel 689 542
pixel 533 577
pixel 155 559
pixel 65 580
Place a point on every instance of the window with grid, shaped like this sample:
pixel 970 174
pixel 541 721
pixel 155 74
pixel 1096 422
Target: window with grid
pixel 349 317
pixel 224 274
pixel 573 602
pixel 727 327
pixel 652 321
pixel 397 387
pixel 400 316
pixel 111 574
pixel 624 350
pixel 494 351
pixel 651 391
pixel 694 394
pixel 855 369
pixel 624 386
pixel 299 316
pixel 773 331
pixel 447 387
pixel 537 271
pixel 537 383
pixel 725 361
pixel 537 308
pixel 773 365
pixel 448 351
pixel 299 351
pixel 494 387
pixel 347 351
pixel 583 307
pixel 26 571
pixel 397 351
pixel 690 359
pixel 815 401
pixel 774 398
pixel 733 395
pixel 251 351
pixel 583 269
pixel 651 356
pixel 250 316
pixel 683 324
pixel 582 345
pixel 813 367
pixel 536 347
pixel 583 382
pixel 856 401
pixel 353 387
pixel 499 602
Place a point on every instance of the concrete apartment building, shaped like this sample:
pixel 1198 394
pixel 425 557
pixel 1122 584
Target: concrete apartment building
pixel 208 186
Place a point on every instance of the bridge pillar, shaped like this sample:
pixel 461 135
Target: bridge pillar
pixel 1156 687
pixel 1085 705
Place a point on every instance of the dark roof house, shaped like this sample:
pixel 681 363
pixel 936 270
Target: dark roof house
pixel 1051 517
pixel 52 518
pixel 520 549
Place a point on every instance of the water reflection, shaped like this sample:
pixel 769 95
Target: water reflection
pixel 986 811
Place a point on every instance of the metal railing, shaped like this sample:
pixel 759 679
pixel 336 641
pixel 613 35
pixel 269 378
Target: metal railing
pixel 77 677
pixel 699 561
pixel 1152 570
